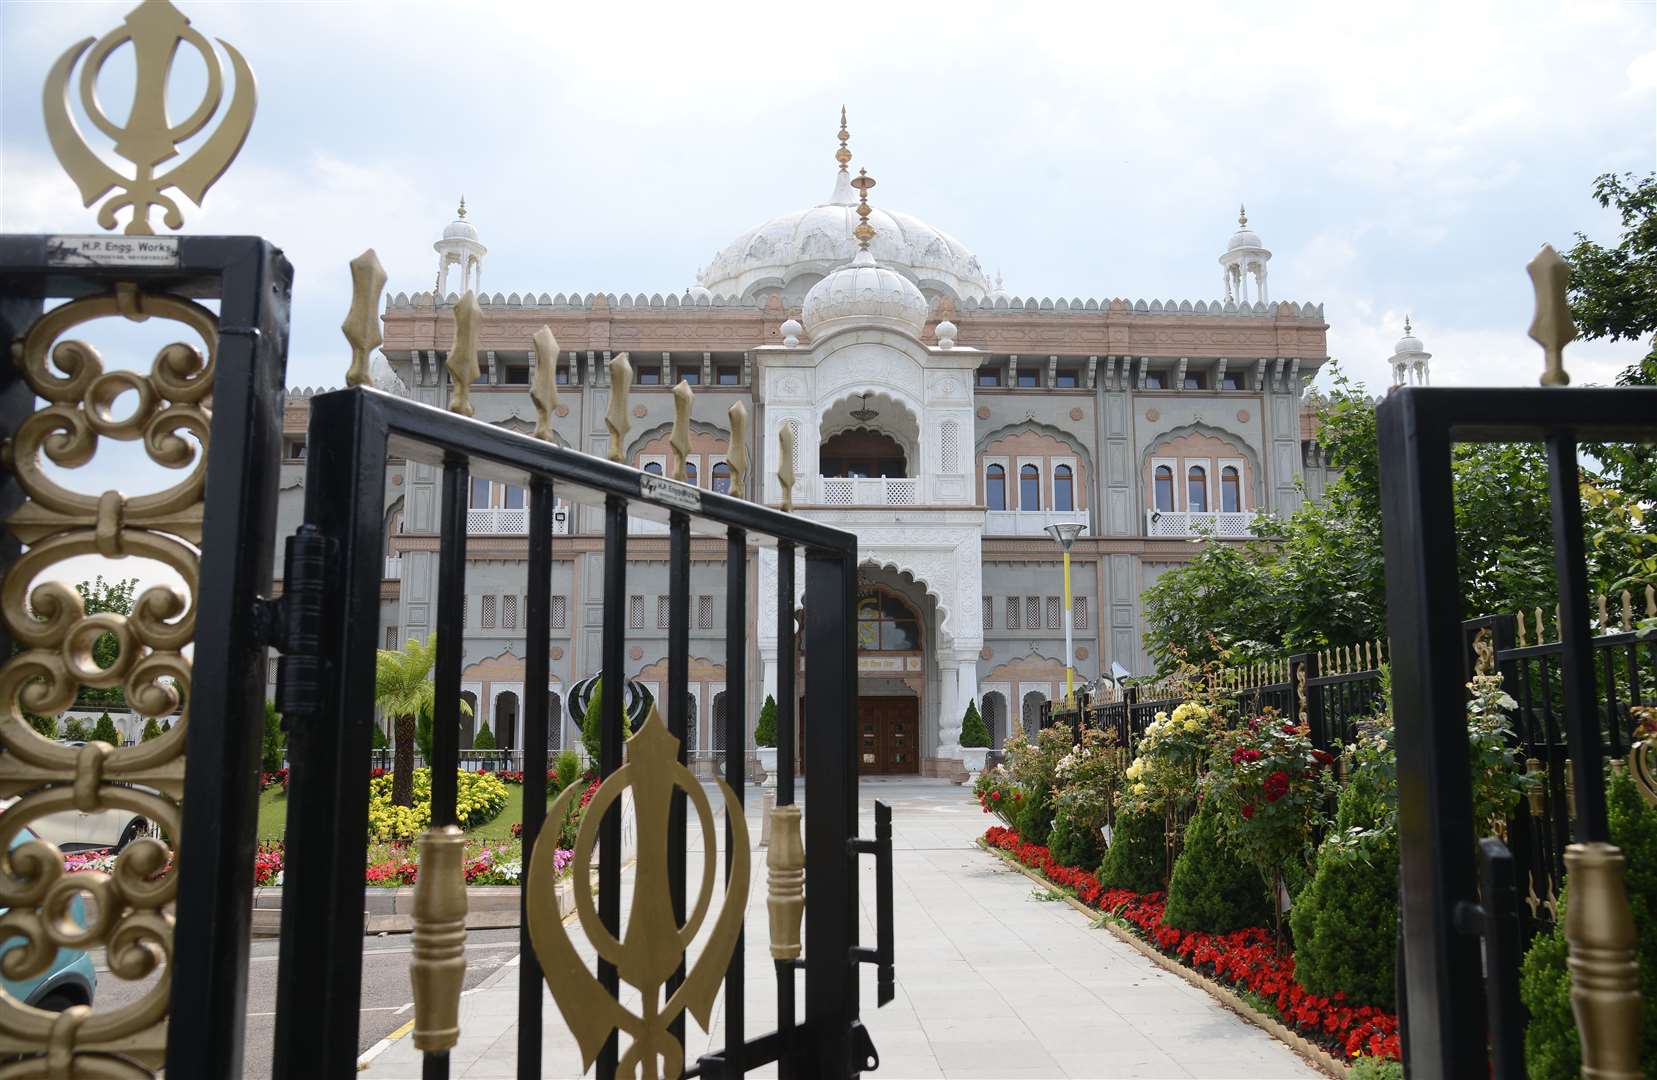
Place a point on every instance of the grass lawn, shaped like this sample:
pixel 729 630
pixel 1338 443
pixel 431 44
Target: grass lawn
pixel 273 815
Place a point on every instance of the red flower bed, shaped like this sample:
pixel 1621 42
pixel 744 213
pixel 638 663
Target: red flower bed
pixel 271 779
pixel 1244 959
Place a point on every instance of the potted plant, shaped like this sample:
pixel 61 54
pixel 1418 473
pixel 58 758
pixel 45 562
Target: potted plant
pixel 975 741
pixel 765 736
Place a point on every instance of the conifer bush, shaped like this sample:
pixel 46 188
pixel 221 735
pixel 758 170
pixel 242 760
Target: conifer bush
pixel 380 741
pixel 1345 922
pixel 1135 857
pixel 1073 843
pixel 1552 1048
pixel 973 730
pixel 1211 889
pixel 765 729
pixel 152 730
pixel 485 739
pixel 77 730
pixel 1035 816
pixel 104 731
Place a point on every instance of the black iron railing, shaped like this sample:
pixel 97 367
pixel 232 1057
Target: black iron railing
pixel 352 433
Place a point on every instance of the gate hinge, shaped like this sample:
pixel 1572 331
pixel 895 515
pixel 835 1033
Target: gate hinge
pixel 297 622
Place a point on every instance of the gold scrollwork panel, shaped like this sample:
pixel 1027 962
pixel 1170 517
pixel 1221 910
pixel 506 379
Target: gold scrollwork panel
pixel 125 907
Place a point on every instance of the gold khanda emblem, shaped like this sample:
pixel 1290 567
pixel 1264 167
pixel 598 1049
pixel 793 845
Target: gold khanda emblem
pixel 148 138
pixel 655 942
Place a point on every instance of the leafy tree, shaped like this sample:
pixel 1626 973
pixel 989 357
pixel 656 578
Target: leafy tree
pixel 973 730
pixel 403 689
pixel 1614 295
pixel 104 731
pixel 77 730
pixel 274 742
pixel 152 730
pixel 46 725
pixel 99 596
pixel 765 728
pixel 485 739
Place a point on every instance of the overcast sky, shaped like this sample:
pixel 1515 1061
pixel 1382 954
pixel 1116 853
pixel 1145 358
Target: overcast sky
pixel 1394 157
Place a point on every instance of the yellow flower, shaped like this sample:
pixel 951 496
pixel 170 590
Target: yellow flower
pixel 1192 725
pixel 1139 789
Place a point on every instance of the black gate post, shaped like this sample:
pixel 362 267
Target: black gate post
pixel 1445 992
pixel 329 703
pixel 831 978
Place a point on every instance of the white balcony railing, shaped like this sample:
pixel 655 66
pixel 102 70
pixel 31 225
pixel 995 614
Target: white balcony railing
pixel 393 568
pixel 1232 525
pixel 497 520
pixel 870 491
pixel 1028 522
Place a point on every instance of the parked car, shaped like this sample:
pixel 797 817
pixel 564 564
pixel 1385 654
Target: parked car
pixel 72 830
pixel 68 980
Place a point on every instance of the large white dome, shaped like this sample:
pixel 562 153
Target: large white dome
pixel 866 293
pixel 793 251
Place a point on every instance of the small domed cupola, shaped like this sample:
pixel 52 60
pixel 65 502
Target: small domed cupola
pixel 459 247
pixel 862 292
pixel 1245 257
pixel 1409 359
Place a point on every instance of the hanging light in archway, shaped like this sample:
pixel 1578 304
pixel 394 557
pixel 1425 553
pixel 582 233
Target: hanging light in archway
pixel 865 414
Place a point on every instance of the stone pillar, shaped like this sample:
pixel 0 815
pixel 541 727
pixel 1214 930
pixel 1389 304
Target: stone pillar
pixel 968 687
pixel 949 708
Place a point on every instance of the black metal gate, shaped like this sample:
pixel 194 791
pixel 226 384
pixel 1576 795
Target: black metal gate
pixel 1460 1010
pixel 326 692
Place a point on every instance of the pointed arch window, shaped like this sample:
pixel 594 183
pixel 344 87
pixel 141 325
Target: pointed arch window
pixel 654 468
pixel 722 477
pixel 1196 489
pixel 690 473
pixel 1231 490
pixel 1164 485
pixel 1064 488
pixel 995 487
pixel 1029 488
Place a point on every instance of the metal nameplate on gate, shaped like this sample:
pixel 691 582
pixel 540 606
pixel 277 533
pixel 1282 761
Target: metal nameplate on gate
pixel 662 490
pixel 112 251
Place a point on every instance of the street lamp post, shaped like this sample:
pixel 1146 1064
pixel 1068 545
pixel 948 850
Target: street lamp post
pixel 1065 534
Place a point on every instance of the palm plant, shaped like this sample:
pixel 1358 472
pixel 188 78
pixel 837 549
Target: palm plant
pixel 403 689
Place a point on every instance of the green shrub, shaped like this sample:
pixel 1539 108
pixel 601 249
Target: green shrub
pixel 104 731
pixel 77 730
pixel 152 730
pixel 1211 889
pixel 1374 1068
pixel 1035 816
pixel 46 725
pixel 566 770
pixel 270 748
pixel 1135 857
pixel 380 741
pixel 765 728
pixel 1072 843
pixel 973 730
pixel 1552 1049
pixel 1345 922
pixel 485 739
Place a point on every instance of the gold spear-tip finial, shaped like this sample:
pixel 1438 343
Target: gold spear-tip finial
pixel 1406 326
pixel 1242 215
pixel 864 231
pixel 1552 327
pixel 462 210
pixel 844 154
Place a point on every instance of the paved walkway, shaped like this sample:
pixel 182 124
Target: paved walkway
pixel 992 979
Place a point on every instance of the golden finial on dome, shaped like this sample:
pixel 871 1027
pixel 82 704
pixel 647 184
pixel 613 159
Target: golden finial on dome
pixel 1242 215
pixel 843 155
pixel 462 210
pixel 1406 326
pixel 864 231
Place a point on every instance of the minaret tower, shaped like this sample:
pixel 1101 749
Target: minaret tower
pixel 459 247
pixel 1409 360
pixel 1245 256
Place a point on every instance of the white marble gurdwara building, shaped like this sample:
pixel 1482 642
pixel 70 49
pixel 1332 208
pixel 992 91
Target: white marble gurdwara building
pixel 938 416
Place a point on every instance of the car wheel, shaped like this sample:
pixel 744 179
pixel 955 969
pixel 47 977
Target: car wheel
pixel 59 1000
pixel 135 828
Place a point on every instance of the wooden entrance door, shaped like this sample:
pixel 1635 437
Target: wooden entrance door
pixel 888 735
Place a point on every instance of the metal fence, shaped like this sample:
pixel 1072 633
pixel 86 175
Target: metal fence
pixel 1344 687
